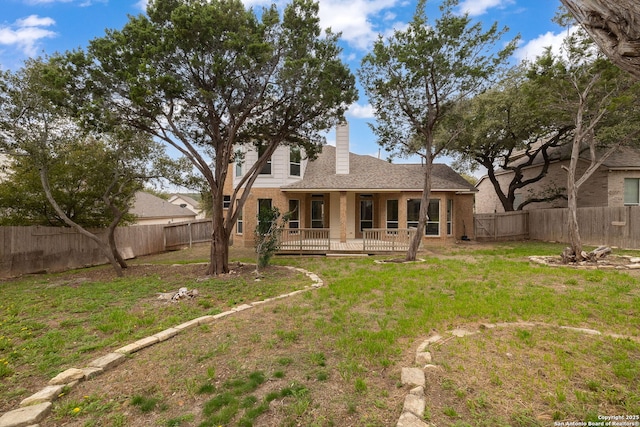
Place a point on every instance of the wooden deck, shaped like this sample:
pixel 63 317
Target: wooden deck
pixel 317 241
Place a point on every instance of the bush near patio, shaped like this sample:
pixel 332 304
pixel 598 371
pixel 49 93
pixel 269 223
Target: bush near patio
pixel 331 356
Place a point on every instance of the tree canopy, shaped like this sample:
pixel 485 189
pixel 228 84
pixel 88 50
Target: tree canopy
pixel 415 76
pixel 62 174
pixel 509 128
pixel 598 99
pixel 208 76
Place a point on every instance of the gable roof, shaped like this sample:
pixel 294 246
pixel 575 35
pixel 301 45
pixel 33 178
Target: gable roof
pixel 147 205
pixel 368 173
pixel 186 198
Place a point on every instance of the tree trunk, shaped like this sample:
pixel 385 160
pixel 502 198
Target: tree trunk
pixel 423 217
pixel 575 241
pixel 572 193
pixel 103 246
pixel 614 26
pixel 111 231
pixel 114 248
pixel 219 259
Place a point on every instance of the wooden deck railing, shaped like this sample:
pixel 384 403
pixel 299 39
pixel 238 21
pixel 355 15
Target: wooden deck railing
pixel 384 239
pixel 305 239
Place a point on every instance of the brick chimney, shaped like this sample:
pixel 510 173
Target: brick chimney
pixel 342 148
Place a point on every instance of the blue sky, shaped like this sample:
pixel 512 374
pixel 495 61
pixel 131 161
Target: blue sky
pixel 31 28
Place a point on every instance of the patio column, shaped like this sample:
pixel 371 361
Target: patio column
pixel 343 216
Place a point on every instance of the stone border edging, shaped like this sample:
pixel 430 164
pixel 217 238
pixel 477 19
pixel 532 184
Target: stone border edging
pixel 37 407
pixel 634 263
pixel 415 402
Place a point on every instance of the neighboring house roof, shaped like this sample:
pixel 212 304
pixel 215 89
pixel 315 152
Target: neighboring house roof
pixel 147 205
pixel 624 158
pixel 368 173
pixel 187 199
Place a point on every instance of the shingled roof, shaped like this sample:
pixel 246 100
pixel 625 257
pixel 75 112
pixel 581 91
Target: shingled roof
pixel 369 174
pixel 623 157
pixel 147 205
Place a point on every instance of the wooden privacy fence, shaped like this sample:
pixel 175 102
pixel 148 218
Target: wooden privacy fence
pixel 187 233
pixel 502 226
pixel 617 226
pixel 25 250
pixel 611 226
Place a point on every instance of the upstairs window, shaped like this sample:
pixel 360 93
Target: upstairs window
pixel 238 167
pixel 226 202
pixel 266 169
pixel 294 161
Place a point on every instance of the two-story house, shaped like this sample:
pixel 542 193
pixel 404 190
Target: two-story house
pixel 346 194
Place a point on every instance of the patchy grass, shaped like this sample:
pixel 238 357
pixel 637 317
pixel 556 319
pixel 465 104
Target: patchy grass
pixel 333 356
pixel 51 322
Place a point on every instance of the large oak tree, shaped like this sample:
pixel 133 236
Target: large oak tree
pixel 507 129
pixel 207 76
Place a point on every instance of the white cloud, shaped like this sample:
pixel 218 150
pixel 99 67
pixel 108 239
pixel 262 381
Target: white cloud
pixel 34 21
pixel 536 47
pixel 35 2
pixel 142 5
pixel 354 19
pixel 480 7
pixel 361 111
pixel 26 33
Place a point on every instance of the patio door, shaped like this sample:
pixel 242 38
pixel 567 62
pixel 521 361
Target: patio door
pixel 317 213
pixel 366 212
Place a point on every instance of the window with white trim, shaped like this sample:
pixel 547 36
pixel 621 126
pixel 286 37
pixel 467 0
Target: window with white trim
pixel 294 161
pixel 294 212
pixel 239 222
pixel 392 214
pixel 432 227
pixel 632 191
pixel 266 169
pixel 239 156
pixel 449 217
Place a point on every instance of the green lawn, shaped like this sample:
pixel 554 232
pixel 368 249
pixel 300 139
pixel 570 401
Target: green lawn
pixel 352 335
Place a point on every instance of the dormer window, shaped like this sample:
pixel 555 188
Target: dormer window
pixel 294 161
